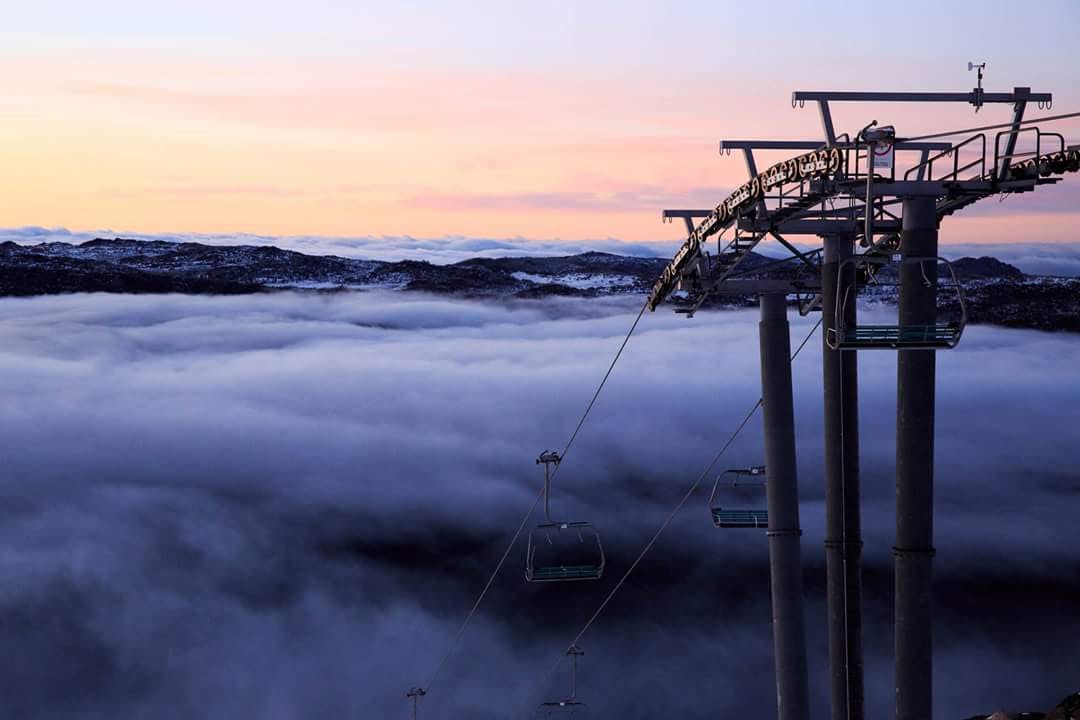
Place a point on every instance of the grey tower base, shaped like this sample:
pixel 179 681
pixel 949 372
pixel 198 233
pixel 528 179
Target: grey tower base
pixel 785 562
pixel 915 385
pixel 843 529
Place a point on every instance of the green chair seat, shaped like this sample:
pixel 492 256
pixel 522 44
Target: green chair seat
pixel 740 518
pixel 939 336
pixel 567 572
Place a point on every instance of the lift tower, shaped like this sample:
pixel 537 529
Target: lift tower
pixel 841 192
pixel 916 363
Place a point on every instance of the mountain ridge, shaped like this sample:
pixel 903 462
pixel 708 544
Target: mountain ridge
pixel 996 292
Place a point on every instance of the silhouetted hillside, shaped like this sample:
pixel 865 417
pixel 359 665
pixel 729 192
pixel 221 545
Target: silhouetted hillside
pixel 995 292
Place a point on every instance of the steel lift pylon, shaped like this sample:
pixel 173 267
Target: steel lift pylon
pixel 867 217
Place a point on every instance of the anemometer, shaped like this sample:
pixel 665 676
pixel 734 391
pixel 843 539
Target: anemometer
pixel 977 100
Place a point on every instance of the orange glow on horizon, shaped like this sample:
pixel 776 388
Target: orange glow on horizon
pixel 171 145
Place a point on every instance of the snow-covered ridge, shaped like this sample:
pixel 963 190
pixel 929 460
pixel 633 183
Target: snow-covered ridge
pixel 995 292
pixel 129 265
pixel 443 250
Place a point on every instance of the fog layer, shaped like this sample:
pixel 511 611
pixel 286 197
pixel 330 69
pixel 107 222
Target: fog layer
pixel 282 506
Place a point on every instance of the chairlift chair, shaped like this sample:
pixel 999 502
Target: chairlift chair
pixel 728 517
pixel 937 336
pixel 415 694
pixel 549 557
pixel 571 707
pixel 562 709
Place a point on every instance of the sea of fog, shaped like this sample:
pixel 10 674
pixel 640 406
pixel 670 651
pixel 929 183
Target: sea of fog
pixel 281 506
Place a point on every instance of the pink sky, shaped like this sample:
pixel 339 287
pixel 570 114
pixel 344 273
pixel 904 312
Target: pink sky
pixel 165 123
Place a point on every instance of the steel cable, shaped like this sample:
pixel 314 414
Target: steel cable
pixel 532 508
pixel 996 126
pixel 667 521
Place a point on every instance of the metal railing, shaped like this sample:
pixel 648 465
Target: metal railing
pixel 1000 157
pixel 957 168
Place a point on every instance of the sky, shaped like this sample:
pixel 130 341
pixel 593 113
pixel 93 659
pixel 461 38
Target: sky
pixel 282 505
pixel 555 120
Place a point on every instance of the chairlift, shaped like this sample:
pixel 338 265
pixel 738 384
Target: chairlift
pixel 562 551
pixel 415 694
pixel 740 517
pixel 937 336
pixel 562 709
pixel 570 707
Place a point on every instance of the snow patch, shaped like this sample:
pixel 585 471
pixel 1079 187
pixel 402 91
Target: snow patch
pixel 580 281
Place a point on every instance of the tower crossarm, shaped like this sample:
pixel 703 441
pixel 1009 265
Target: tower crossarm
pixel 825 190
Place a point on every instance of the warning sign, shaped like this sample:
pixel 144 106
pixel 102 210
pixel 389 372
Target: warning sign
pixel 883 154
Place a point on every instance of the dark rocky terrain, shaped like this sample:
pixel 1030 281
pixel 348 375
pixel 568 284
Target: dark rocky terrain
pixel 1067 709
pixel 995 292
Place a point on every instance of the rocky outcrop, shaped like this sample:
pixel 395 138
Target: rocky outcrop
pixel 1067 709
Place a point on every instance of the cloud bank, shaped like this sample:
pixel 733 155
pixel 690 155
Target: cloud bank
pixel 281 506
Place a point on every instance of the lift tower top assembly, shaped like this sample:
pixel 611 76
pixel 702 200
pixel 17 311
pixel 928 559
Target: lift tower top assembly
pixel 847 190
